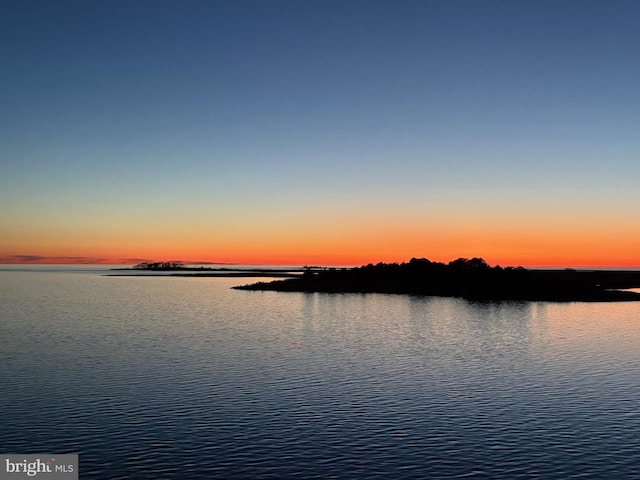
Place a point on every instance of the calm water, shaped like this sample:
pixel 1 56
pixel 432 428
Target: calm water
pixel 185 378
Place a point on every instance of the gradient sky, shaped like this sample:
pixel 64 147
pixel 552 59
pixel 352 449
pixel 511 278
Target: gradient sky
pixel 320 132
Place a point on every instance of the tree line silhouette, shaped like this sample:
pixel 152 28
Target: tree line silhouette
pixel 468 278
pixel 159 266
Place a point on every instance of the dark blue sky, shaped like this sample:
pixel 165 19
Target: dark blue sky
pixel 492 109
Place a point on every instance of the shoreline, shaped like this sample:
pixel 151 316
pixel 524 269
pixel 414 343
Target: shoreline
pixel 209 275
pixel 470 279
pixel 223 272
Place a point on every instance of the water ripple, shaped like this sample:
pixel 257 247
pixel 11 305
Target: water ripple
pixel 184 378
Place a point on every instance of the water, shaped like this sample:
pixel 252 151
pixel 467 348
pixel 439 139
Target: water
pixel 185 378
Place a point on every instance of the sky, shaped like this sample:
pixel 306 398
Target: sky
pixel 332 132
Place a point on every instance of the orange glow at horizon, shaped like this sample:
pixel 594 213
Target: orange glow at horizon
pixel 328 260
pixel 350 247
pixel 331 235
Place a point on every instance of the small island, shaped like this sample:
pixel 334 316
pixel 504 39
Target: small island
pixel 472 279
pixel 179 269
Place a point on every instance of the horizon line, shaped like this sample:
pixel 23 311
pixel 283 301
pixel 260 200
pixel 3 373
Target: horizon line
pixel 86 260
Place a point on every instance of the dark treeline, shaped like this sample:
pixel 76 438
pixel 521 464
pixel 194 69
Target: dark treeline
pixel 158 266
pixel 469 278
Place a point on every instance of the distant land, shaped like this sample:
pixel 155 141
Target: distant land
pixel 177 269
pixel 472 279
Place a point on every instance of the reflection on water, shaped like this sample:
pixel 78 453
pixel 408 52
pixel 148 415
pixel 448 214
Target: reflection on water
pixel 186 378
